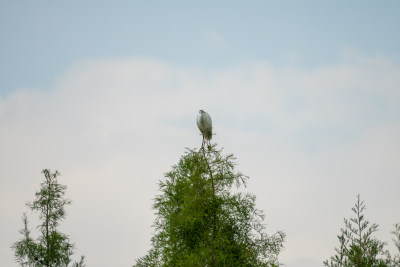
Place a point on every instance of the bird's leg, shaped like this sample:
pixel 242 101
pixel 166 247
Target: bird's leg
pixel 202 143
pixel 209 145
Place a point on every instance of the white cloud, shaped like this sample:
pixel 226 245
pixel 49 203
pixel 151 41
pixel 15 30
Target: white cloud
pixel 310 141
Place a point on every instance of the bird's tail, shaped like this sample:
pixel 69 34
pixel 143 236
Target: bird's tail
pixel 208 135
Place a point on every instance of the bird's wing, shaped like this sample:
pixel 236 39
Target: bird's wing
pixel 208 126
pixel 199 124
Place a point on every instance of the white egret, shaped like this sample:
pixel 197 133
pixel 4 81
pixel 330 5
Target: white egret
pixel 205 126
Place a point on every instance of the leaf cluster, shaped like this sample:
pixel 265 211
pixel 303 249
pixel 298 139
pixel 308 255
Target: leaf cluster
pixel 358 247
pixel 52 248
pixel 396 240
pixel 202 222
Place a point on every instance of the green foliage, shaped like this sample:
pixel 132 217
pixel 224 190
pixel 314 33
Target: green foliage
pixel 201 221
pixel 396 259
pixel 396 233
pixel 358 247
pixel 52 248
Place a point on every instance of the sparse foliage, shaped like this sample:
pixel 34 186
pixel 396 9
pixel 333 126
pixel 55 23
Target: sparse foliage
pixel 51 248
pixel 358 247
pixel 395 261
pixel 396 233
pixel 202 222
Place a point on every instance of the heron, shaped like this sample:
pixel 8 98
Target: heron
pixel 205 126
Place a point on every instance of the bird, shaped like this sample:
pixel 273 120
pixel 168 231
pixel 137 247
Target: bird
pixel 205 126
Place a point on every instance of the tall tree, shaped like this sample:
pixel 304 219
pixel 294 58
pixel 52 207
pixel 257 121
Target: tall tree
pixel 395 260
pixel 51 248
pixel 358 247
pixel 202 221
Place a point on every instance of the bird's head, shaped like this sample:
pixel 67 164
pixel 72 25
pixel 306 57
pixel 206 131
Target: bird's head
pixel 201 111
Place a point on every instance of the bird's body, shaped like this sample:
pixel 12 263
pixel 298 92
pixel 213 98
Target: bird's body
pixel 205 125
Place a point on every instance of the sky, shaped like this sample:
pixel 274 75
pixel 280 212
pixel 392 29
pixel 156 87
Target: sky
pixel 304 93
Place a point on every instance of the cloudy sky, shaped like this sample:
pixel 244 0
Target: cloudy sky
pixel 305 94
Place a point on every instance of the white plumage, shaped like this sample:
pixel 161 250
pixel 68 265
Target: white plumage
pixel 205 125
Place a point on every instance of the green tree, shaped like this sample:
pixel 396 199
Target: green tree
pixel 51 248
pixel 395 261
pixel 203 221
pixel 396 233
pixel 358 247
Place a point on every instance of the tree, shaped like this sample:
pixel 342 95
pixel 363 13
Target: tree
pixel 358 247
pixel 51 248
pixel 395 261
pixel 396 233
pixel 202 221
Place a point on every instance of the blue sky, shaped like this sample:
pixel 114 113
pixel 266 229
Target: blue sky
pixel 304 93
pixel 41 39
